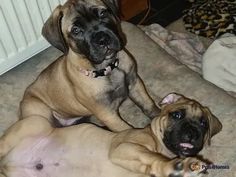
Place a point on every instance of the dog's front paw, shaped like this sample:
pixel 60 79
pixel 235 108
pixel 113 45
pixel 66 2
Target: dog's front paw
pixel 188 167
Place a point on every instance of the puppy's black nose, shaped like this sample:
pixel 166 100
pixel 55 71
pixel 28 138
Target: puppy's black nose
pixel 189 133
pixel 102 39
pixel 187 137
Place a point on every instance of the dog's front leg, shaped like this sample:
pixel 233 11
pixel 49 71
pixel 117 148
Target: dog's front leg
pixel 28 127
pixel 138 93
pixel 137 158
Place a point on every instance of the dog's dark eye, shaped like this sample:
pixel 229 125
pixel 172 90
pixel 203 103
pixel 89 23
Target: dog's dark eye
pixel 177 114
pixel 103 13
pixel 203 122
pixel 76 30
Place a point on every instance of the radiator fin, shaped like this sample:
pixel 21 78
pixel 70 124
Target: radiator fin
pixel 20 35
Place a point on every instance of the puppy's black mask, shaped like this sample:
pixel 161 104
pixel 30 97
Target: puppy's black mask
pixel 185 136
pixel 96 33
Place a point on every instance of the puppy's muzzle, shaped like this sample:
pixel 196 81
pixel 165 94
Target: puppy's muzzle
pixel 107 43
pixel 102 39
pixel 189 133
pixel 185 139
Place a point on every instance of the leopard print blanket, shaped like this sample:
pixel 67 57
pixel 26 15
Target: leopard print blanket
pixel 211 18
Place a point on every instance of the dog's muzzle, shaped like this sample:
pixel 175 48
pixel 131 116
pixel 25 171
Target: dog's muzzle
pixel 102 39
pixel 105 45
pixel 185 139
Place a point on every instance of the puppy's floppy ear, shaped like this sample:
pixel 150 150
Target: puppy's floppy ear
pixel 52 30
pixel 169 99
pixel 215 125
pixel 114 6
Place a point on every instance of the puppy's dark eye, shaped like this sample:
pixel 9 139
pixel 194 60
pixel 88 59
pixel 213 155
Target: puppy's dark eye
pixel 178 114
pixel 103 13
pixel 76 30
pixel 203 122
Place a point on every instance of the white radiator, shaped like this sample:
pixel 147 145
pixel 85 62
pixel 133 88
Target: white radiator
pixel 21 22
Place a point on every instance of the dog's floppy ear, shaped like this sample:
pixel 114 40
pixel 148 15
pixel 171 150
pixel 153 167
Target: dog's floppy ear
pixel 215 125
pixel 114 6
pixel 52 30
pixel 169 99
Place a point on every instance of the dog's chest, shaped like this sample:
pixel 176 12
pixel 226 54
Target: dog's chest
pixel 117 86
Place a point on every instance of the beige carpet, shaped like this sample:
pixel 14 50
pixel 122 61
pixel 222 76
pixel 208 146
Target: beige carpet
pixel 14 82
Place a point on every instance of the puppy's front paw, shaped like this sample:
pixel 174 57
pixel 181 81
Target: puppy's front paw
pixel 189 167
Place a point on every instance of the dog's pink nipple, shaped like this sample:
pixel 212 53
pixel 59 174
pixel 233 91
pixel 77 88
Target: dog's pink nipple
pixel 39 166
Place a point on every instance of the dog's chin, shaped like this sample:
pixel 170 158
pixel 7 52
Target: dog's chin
pixel 183 151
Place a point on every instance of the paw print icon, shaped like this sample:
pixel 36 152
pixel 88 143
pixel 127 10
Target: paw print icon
pixel 195 166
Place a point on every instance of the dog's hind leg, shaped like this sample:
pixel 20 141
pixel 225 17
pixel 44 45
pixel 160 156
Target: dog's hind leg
pixel 59 121
pixel 28 127
pixel 32 106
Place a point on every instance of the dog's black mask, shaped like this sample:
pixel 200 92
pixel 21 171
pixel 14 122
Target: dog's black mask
pixel 96 33
pixel 185 136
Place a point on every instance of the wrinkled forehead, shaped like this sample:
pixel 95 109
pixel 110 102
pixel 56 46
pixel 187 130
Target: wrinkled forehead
pixel 91 2
pixel 74 9
pixel 79 8
pixel 192 109
pixel 86 2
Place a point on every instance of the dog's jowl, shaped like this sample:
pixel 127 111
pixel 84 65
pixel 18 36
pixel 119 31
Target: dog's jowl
pixel 94 75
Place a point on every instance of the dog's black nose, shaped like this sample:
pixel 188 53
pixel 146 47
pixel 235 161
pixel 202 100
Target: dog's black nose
pixel 189 133
pixel 102 39
pixel 187 137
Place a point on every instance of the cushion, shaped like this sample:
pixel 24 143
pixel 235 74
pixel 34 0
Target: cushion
pixel 219 63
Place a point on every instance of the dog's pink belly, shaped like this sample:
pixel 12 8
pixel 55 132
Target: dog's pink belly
pixel 39 158
pixel 64 156
pixel 47 171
